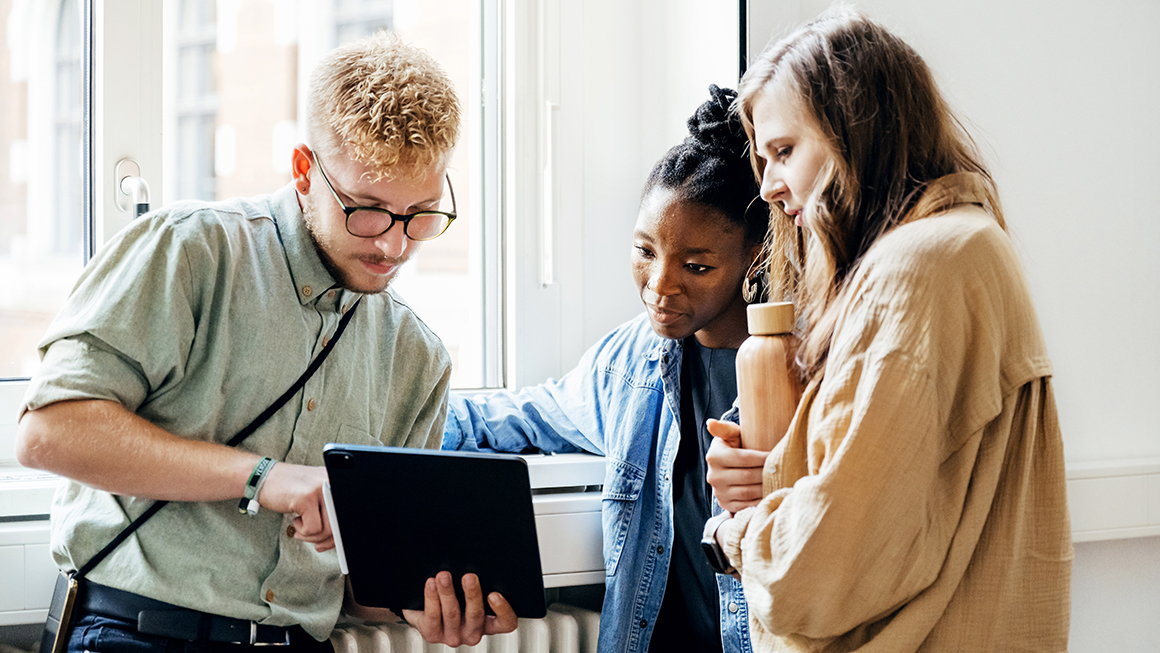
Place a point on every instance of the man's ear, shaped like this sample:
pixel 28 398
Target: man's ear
pixel 301 160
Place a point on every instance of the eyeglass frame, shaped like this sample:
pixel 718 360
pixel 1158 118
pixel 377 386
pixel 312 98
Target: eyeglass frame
pixel 395 217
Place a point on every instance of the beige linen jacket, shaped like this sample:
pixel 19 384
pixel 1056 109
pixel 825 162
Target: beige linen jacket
pixel 918 502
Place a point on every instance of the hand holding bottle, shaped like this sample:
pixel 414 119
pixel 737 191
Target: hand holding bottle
pixel 734 472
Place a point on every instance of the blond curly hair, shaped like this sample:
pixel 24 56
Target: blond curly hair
pixel 387 103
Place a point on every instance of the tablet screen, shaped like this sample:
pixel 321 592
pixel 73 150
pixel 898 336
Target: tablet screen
pixel 406 514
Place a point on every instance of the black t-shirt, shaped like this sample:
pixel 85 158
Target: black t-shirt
pixel 689 616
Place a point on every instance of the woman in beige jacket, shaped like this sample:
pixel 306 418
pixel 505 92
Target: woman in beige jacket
pixel 918 500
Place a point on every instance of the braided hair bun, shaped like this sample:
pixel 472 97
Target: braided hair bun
pixel 715 127
pixel 712 168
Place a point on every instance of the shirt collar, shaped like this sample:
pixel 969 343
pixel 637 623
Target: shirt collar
pixel 663 347
pixel 311 278
pixel 949 191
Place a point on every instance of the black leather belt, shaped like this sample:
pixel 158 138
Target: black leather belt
pixel 167 620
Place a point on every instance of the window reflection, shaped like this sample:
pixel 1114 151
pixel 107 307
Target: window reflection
pixel 42 69
pixel 68 113
pixel 354 19
pixel 196 101
pixel 235 76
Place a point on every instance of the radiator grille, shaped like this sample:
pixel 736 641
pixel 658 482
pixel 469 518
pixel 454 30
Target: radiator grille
pixel 566 629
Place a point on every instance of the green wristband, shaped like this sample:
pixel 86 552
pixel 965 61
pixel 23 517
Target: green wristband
pixel 249 503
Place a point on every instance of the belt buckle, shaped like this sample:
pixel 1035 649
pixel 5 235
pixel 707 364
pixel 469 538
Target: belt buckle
pixel 254 637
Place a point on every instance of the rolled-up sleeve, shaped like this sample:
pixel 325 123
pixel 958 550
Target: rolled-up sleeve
pixel 127 328
pixel 81 367
pixel 551 417
pixel 567 415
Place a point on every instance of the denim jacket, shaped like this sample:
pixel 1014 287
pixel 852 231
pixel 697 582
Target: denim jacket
pixel 622 401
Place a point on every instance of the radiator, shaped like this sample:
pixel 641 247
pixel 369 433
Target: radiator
pixel 566 629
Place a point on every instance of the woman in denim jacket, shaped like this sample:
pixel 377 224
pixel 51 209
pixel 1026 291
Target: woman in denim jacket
pixel 640 396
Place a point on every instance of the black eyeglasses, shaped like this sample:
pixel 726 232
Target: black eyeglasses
pixel 370 221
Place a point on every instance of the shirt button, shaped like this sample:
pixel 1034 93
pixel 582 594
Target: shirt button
pixel 269 596
pixel 309 404
pixel 307 290
pixel 345 309
pixel 290 531
pixel 643 623
pixel 733 607
pixel 325 340
pixel 660 549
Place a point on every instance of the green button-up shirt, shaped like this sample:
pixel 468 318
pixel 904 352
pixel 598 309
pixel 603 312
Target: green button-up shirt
pixel 197 317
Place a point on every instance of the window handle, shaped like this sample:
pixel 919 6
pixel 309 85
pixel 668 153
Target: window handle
pixel 131 190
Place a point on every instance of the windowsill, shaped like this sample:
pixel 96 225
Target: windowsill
pixel 25 492
pixel 1108 500
pixel 28 492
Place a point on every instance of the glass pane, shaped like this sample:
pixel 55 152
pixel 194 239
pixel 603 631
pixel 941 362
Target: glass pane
pixel 233 109
pixel 41 171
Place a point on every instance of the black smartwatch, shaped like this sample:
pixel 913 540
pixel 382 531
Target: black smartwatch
pixel 717 560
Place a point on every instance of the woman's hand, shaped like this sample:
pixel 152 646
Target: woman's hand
pixel 734 473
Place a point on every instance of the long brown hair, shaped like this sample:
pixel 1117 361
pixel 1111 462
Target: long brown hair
pixel 873 100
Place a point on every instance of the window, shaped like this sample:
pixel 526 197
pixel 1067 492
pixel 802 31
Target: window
pixel 41 170
pixel 354 19
pixel 234 84
pixel 194 106
pixel 207 97
pixel 68 137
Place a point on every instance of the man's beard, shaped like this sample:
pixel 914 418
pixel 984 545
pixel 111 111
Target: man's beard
pixel 341 276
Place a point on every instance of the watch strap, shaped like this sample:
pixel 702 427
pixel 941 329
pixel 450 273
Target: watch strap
pixel 718 561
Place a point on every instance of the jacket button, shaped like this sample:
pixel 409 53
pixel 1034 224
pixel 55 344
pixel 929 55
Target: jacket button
pixel 643 623
pixel 307 290
pixel 660 550
pixel 269 596
pixel 290 531
pixel 733 607
pixel 310 404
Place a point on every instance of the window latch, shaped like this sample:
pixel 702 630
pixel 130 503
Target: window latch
pixel 131 190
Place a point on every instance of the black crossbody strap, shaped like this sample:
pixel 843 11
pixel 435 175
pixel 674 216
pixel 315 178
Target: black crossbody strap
pixel 234 441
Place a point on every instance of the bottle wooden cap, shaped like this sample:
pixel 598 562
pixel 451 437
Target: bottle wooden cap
pixel 770 319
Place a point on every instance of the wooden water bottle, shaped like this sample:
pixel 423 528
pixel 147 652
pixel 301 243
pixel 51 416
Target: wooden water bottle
pixel 768 387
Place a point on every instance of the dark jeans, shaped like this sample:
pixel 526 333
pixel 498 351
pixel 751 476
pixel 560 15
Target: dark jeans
pixel 100 634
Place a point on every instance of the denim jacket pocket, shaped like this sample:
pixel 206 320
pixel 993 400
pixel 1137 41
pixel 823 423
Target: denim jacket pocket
pixel 622 485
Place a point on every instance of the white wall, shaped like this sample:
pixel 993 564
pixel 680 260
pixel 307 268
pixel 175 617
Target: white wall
pixel 1115 596
pixel 1062 97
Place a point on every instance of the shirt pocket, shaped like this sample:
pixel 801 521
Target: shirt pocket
pixel 348 434
pixel 622 487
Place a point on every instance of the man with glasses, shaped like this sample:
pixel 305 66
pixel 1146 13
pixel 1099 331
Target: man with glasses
pixel 198 317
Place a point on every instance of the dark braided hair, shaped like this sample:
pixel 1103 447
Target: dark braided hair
pixel 711 167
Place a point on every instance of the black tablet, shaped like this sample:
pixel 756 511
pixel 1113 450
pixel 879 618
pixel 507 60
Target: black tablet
pixel 403 515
